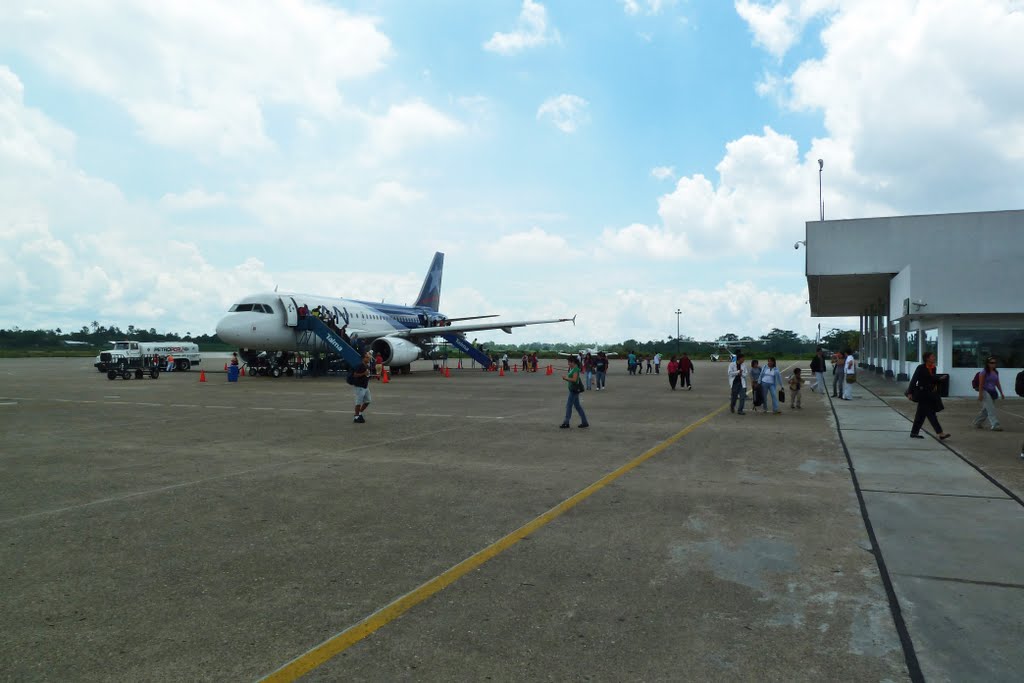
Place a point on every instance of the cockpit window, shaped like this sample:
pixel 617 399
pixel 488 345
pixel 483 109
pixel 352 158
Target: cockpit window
pixel 256 308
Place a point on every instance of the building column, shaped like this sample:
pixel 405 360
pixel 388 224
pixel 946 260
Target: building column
pixel 902 375
pixel 889 349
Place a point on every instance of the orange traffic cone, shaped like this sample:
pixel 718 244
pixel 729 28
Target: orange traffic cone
pixel 549 370
pixel 225 367
pixel 447 372
pixel 384 379
pixel 501 371
pixel 242 372
pixel 460 364
pixel 515 369
pixel 202 375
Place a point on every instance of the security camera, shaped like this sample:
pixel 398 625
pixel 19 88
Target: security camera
pixel 796 245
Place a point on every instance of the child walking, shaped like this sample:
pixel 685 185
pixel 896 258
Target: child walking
pixel 795 384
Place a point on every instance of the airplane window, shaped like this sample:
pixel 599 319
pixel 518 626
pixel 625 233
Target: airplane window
pixel 237 308
pixel 267 308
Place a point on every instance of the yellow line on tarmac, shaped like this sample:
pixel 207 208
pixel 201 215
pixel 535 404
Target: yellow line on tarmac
pixel 334 646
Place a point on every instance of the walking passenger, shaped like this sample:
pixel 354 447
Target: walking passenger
pixel 755 385
pixel 361 384
pixel 657 363
pixel 988 384
pixel 575 386
pixel 771 380
pixel 685 368
pixel 849 375
pixel 924 390
pixel 673 372
pixel 838 362
pixel 601 368
pixel 738 374
pixel 588 370
pixel 796 383
pixel 818 370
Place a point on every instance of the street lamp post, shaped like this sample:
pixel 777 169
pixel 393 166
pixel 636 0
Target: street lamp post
pixel 821 204
pixel 678 313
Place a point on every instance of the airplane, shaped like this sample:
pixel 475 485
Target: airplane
pixel 400 334
pixel 593 352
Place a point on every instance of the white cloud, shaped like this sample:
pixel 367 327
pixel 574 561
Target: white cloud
pixel 663 172
pixel 195 198
pixel 406 125
pixel 200 75
pixel 924 111
pixel 566 112
pixel 531 30
pixel 533 246
pixel 657 244
pixel 652 7
pixel 777 26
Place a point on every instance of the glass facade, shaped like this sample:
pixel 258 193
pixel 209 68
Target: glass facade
pixel 913 349
pixel 971 346
pixel 894 341
pixel 931 342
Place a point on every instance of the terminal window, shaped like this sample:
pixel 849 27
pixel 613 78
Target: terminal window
pixel 972 346
pixel 913 350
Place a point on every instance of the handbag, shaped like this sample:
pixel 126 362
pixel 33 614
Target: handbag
pixel 851 379
pixel 782 395
pixel 576 387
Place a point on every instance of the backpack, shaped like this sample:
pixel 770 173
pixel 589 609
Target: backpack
pixel 976 382
pixel 1019 386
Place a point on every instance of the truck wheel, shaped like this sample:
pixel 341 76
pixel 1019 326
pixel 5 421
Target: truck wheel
pixel 125 374
pixel 138 374
pixel 154 373
pixel 276 372
pixel 111 374
pixel 184 365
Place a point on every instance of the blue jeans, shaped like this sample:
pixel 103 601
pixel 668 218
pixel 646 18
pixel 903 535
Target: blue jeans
pixel 600 379
pixel 738 392
pixel 590 380
pixel 769 390
pixel 574 400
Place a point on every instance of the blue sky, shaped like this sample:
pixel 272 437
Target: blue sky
pixel 614 159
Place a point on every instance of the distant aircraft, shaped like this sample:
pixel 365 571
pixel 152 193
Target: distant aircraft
pixel 400 334
pixel 593 352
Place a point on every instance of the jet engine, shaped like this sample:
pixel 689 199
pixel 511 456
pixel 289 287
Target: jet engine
pixel 395 351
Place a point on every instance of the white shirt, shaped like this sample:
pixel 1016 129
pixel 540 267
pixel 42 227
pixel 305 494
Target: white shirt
pixel 742 371
pixel 851 365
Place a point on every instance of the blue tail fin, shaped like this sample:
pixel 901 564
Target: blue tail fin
pixel 430 292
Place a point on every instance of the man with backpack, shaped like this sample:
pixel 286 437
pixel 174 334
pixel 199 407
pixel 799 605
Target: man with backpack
pixel 986 382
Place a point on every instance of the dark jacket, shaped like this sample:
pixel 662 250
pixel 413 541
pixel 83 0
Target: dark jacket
pixel 924 388
pixel 817 364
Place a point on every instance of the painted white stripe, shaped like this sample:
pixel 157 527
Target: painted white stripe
pixel 8 404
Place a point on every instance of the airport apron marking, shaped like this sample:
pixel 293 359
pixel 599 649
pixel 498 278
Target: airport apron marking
pixel 334 646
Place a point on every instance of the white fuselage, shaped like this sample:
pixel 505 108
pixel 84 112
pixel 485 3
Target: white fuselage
pixel 267 321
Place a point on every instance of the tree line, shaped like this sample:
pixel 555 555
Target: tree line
pixel 96 337
pixel 776 342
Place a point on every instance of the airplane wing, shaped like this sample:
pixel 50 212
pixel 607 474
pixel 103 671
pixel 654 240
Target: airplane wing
pixel 460 328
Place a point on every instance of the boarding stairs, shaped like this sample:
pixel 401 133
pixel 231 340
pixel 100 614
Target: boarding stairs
pixel 311 326
pixel 462 344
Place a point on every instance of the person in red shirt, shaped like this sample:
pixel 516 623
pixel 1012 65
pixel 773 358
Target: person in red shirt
pixel 685 368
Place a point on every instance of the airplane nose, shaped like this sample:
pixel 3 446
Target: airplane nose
pixel 225 331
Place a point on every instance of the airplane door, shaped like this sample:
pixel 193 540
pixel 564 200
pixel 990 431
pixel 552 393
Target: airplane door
pixel 291 310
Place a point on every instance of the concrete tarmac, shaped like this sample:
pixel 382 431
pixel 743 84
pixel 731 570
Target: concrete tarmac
pixel 175 530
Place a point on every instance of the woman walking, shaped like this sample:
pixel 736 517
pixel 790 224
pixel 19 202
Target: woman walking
pixel 988 384
pixel 771 379
pixel 849 375
pixel 924 390
pixel 572 380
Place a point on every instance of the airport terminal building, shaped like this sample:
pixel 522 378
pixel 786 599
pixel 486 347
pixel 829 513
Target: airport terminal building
pixel 949 283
